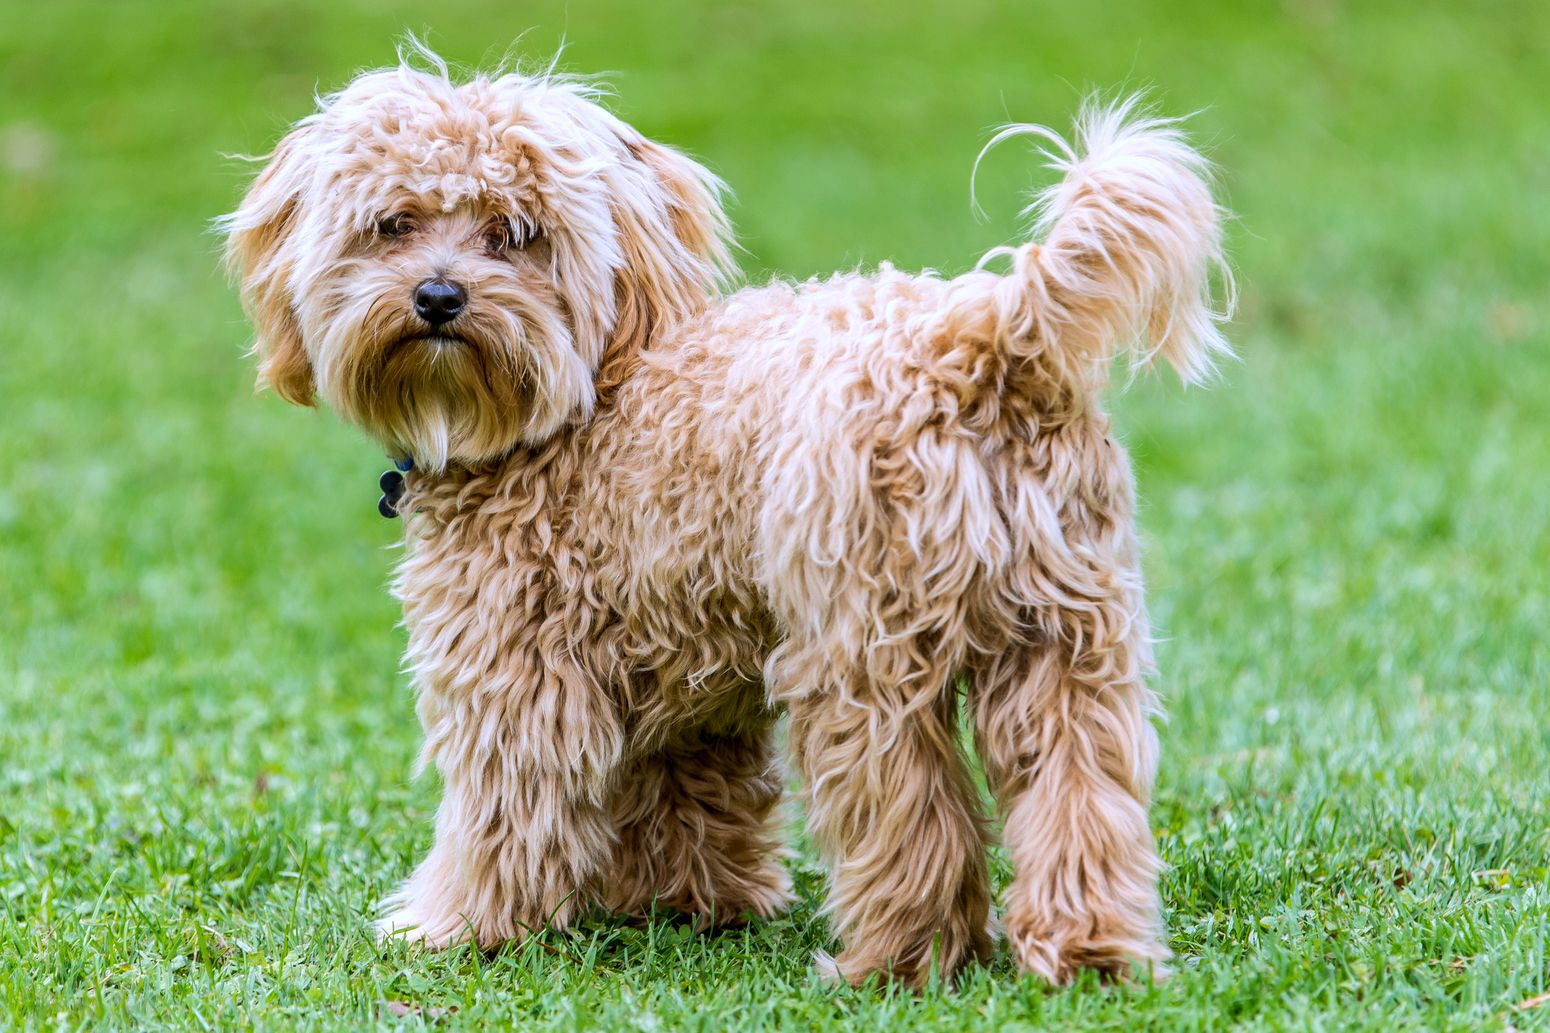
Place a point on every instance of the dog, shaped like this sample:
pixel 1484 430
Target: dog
pixel 647 515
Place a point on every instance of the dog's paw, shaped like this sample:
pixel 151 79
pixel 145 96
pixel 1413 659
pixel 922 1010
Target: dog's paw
pixel 761 892
pixel 403 922
pixel 850 969
pixel 1058 956
pixel 402 926
pixel 764 893
pixel 915 963
pixel 828 970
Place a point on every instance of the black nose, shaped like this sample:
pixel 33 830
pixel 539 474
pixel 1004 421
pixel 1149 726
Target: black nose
pixel 439 301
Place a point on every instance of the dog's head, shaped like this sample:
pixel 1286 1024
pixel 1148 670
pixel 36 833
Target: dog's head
pixel 448 265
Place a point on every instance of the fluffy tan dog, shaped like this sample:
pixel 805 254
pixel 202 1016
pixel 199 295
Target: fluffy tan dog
pixel 646 517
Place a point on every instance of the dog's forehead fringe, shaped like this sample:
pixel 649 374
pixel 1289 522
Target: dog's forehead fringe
pixel 446 144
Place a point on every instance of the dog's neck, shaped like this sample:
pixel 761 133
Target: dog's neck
pixel 409 487
pixel 437 498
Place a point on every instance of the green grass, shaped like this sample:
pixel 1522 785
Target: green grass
pixel 205 743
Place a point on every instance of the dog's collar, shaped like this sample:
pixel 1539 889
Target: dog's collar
pixel 392 485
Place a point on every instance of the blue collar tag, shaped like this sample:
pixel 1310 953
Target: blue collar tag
pixel 392 485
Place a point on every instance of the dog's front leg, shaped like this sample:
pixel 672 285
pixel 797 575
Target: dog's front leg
pixel 523 826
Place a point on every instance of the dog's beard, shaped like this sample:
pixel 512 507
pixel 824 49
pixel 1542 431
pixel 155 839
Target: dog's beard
pixel 435 403
pixel 504 373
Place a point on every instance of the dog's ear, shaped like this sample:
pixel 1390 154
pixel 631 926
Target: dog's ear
pixel 675 237
pixel 257 237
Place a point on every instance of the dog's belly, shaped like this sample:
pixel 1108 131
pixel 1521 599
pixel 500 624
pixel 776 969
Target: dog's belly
pixel 686 655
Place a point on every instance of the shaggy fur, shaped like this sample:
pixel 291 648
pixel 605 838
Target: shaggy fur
pixel 647 518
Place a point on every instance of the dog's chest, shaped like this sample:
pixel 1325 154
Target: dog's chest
pixel 613 586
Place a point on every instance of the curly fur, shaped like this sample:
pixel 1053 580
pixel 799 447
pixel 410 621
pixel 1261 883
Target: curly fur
pixel 649 518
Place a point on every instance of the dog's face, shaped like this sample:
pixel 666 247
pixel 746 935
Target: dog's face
pixel 448 266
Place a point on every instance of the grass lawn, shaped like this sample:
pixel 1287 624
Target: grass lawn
pixel 205 743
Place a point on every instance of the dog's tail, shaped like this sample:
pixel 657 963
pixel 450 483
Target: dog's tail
pixel 1130 239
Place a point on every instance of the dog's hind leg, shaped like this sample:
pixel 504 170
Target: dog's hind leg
pixel 894 811
pixel 697 831
pixel 1065 734
pixel 876 561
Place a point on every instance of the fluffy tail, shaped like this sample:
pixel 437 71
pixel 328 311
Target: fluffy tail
pixel 1131 235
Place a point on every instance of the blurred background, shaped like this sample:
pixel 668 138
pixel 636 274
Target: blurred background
pixel 200 708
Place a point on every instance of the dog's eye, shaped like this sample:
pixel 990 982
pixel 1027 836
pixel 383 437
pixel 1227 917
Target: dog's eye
pixel 395 226
pixel 502 236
